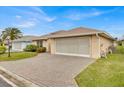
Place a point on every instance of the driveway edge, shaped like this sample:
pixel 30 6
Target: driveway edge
pixel 15 80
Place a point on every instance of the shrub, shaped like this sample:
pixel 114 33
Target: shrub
pixel 119 50
pixel 41 49
pixel 30 48
pixel 112 49
pixel 119 43
pixel 2 49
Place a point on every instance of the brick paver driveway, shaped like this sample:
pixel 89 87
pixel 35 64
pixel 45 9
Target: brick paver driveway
pixel 49 70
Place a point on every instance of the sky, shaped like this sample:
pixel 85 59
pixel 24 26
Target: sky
pixel 36 20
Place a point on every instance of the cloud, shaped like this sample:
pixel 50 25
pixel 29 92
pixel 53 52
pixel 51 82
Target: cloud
pixel 31 16
pixel 117 30
pixel 42 15
pixel 66 24
pixel 35 12
pixel 18 17
pixel 92 13
pixel 48 19
pixel 26 24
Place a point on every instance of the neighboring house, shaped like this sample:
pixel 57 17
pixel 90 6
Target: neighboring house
pixel 21 43
pixel 0 42
pixel 77 42
pixel 122 41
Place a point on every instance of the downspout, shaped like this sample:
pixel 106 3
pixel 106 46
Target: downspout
pixel 98 37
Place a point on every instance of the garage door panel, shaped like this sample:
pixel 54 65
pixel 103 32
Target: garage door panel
pixel 77 45
pixel 17 45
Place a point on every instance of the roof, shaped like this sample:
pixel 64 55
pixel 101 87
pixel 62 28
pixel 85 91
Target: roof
pixel 80 31
pixel 25 38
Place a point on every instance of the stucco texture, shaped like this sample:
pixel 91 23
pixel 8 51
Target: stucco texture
pixel 97 45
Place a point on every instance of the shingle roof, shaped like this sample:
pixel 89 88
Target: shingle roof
pixel 25 38
pixel 74 32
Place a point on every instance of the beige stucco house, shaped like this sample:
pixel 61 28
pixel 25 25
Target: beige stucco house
pixel 76 42
pixel 122 42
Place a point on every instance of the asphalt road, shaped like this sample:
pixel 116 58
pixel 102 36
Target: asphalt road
pixel 3 83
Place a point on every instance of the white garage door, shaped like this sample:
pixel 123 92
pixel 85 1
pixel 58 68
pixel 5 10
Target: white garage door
pixel 78 46
pixel 16 46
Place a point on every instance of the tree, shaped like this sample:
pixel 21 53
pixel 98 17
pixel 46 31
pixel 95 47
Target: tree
pixel 10 34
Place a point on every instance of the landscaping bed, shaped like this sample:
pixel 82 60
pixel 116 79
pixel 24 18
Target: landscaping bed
pixel 17 56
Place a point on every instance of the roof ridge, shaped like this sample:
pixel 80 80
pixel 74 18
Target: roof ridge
pixel 74 32
pixel 85 28
pixel 58 31
pixel 30 35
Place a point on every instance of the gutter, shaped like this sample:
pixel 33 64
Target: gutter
pixel 98 37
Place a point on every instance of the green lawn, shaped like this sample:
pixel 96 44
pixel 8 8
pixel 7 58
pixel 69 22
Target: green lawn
pixel 17 56
pixel 104 72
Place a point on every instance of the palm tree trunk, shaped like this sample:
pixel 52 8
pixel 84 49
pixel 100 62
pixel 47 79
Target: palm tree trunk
pixel 9 48
pixel 9 51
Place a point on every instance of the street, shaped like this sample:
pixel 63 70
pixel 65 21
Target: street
pixel 4 83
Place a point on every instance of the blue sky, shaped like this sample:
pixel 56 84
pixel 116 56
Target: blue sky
pixel 35 20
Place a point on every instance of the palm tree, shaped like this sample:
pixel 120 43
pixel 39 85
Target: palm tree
pixel 0 42
pixel 13 33
pixel 10 34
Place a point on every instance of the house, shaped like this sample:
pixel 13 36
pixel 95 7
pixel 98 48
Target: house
pixel 76 42
pixel 0 42
pixel 122 42
pixel 20 43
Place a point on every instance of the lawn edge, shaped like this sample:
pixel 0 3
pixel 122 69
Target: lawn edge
pixel 95 60
pixel 19 59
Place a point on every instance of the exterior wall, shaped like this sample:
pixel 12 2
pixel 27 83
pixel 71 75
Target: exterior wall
pixel 34 42
pixel 105 44
pixel 38 43
pixel 95 46
pixel 16 46
pixel 100 44
pixel 115 43
pixel 24 44
pixel 46 44
pixel 52 46
pixel 122 43
pixel 19 46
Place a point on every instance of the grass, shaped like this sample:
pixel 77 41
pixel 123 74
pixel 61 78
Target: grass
pixel 120 49
pixel 17 56
pixel 103 73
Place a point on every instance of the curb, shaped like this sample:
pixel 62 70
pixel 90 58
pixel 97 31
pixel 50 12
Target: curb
pixel 15 80
pixel 76 85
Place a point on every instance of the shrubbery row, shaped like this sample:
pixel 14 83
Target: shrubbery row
pixel 34 48
pixel 2 49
